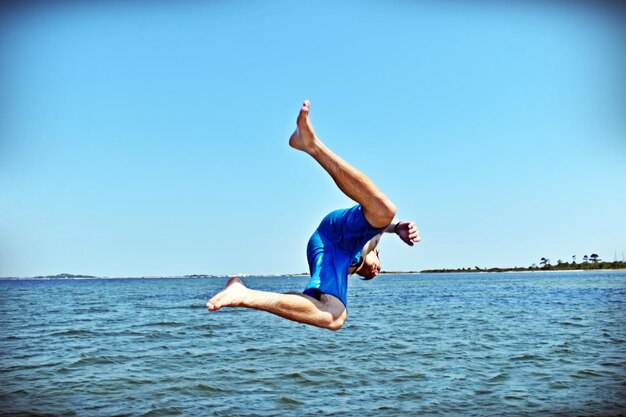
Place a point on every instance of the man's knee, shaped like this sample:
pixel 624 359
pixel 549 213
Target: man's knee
pixel 336 324
pixel 335 312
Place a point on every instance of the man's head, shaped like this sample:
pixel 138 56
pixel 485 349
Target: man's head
pixel 370 265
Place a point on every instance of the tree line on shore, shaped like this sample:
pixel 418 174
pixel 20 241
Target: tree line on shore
pixel 591 262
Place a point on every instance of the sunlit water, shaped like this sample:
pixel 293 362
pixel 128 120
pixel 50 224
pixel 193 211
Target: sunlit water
pixel 454 344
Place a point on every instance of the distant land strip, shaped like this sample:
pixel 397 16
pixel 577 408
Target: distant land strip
pixel 82 276
pixel 562 266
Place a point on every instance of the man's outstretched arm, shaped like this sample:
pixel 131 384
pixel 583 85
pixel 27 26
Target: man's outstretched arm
pixel 407 231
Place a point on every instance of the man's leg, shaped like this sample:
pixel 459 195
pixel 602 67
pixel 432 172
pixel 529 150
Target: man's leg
pixel 377 208
pixel 328 312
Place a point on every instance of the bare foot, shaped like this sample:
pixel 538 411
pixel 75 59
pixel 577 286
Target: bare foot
pixel 303 138
pixel 232 295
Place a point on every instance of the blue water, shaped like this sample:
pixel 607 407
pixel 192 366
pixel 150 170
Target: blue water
pixel 434 345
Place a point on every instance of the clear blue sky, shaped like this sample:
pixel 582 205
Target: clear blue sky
pixel 152 139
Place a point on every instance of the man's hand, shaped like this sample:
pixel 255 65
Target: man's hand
pixel 407 232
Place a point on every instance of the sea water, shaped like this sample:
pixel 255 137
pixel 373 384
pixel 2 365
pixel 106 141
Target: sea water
pixel 427 344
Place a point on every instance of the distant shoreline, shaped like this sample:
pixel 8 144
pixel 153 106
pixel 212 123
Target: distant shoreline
pixel 86 277
pixel 602 266
pixel 562 266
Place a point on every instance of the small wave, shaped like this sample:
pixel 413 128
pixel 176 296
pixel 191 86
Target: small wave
pixel 123 333
pixel 569 323
pixel 33 366
pixel 25 356
pixel 165 411
pixel 164 323
pixel 483 392
pixel 179 389
pixel 289 400
pixel 252 349
pixel 586 373
pixel 64 370
pixel 175 307
pixel 491 337
pixel 134 381
pixel 558 385
pixel 408 378
pixel 527 357
pixel 513 397
pixel 301 378
pixel 209 388
pixel 385 408
pixel 16 392
pixel 99 310
pixel 156 336
pixel 74 332
pixel 203 326
pixel 317 372
pixel 502 376
pixel 612 364
pixel 410 396
pixel 99 360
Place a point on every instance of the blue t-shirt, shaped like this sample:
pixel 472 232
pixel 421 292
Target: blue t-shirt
pixel 334 247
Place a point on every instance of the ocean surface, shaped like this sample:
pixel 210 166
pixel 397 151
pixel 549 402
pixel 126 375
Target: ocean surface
pixel 512 344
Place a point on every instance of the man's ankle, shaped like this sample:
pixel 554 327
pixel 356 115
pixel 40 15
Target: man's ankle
pixel 316 149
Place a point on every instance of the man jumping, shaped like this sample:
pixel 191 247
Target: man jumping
pixel 343 244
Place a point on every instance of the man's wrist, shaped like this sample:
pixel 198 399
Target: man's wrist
pixel 395 229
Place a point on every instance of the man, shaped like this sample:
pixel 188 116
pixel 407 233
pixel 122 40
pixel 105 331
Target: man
pixel 344 243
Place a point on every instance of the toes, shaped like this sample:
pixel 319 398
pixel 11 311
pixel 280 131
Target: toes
pixel 213 307
pixel 304 111
pixel 302 116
